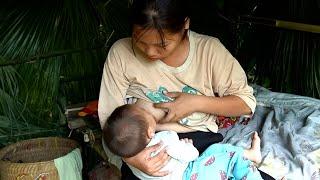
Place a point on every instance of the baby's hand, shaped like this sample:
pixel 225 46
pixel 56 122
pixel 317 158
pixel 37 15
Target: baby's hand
pixel 186 140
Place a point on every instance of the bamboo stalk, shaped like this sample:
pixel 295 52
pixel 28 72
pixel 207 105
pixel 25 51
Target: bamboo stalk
pixel 298 26
pixel 280 24
pixel 28 133
pixel 36 58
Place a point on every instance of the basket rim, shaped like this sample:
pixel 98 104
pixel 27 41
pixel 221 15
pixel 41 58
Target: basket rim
pixel 24 164
pixel 3 150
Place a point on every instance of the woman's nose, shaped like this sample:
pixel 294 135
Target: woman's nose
pixel 150 51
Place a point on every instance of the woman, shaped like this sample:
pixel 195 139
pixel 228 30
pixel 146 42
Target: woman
pixel 163 52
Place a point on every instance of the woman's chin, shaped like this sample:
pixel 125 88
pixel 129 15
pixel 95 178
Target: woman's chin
pixel 152 58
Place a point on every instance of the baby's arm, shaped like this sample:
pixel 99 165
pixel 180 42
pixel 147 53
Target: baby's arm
pixel 182 150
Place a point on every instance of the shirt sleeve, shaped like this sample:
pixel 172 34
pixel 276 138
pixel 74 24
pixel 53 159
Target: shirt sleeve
pixel 232 79
pixel 114 85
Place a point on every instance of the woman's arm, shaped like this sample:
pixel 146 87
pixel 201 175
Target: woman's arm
pixel 173 126
pixel 186 104
pixel 226 106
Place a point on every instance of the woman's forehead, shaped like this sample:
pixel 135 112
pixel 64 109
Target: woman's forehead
pixel 151 36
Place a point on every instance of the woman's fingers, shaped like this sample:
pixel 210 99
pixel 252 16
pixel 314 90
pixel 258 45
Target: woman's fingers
pixel 157 162
pixel 161 173
pixel 182 106
pixel 170 117
pixel 150 165
pixel 165 106
pixel 173 94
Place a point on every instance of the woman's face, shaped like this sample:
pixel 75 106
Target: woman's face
pixel 150 44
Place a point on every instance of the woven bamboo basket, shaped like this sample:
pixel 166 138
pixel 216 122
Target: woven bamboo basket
pixel 34 158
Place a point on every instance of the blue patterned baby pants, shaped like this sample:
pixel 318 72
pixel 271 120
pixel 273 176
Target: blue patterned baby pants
pixel 222 162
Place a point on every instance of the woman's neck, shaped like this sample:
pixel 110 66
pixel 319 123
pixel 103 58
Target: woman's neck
pixel 179 55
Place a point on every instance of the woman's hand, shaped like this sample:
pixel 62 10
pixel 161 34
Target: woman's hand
pixel 150 165
pixel 183 105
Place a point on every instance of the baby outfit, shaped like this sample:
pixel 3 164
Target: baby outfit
pixel 218 161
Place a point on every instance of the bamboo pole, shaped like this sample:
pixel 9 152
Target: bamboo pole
pixel 280 24
pixel 298 26
pixel 36 58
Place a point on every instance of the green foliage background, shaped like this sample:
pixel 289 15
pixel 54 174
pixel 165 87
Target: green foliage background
pixel 52 55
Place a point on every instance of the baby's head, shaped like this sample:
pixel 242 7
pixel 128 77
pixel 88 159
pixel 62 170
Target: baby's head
pixel 128 130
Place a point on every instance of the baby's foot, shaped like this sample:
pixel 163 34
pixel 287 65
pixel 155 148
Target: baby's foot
pixel 255 148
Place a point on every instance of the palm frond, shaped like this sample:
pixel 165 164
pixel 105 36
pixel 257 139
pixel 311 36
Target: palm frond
pixel 281 60
pixel 34 95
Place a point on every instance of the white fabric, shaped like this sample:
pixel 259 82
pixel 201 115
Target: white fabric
pixel 181 154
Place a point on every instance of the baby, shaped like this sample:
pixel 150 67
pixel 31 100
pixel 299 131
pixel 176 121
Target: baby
pixel 130 129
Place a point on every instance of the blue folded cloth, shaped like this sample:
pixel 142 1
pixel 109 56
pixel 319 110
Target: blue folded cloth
pixel 70 166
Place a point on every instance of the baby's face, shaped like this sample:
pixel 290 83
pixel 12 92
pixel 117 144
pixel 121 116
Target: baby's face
pixel 148 118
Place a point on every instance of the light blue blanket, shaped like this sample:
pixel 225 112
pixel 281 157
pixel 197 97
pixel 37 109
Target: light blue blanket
pixel 70 166
pixel 289 127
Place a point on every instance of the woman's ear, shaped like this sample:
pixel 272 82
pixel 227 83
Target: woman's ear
pixel 187 23
pixel 150 132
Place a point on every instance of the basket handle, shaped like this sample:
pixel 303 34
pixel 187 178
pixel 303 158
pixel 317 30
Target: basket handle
pixel 42 176
pixel 23 176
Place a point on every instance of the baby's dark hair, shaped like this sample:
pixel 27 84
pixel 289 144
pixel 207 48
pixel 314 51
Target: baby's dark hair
pixel 125 133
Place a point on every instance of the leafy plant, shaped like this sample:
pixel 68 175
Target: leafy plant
pixel 280 59
pixel 52 56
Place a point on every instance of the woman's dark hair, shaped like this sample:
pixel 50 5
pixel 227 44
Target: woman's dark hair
pixel 169 15
pixel 125 133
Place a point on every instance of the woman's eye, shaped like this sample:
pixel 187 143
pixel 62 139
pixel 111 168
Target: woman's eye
pixel 163 46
